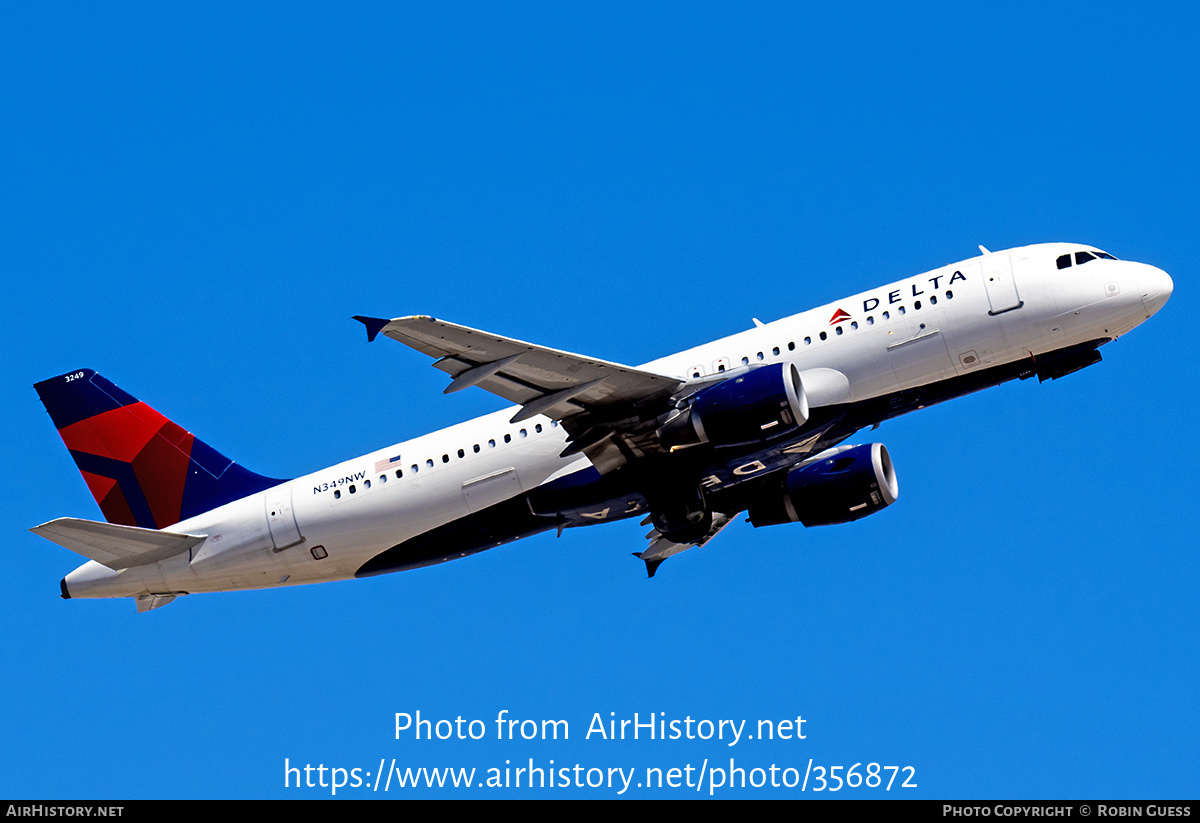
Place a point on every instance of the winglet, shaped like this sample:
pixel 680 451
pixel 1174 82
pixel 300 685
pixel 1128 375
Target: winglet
pixel 651 565
pixel 374 325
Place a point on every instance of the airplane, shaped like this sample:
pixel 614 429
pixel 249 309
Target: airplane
pixel 754 422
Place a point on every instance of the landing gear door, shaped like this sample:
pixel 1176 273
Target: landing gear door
pixel 281 517
pixel 1000 284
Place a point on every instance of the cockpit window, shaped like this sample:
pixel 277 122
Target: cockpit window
pixel 1081 257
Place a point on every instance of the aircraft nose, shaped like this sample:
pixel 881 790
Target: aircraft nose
pixel 1156 289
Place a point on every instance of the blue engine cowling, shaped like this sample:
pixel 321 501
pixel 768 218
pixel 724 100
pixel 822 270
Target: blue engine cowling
pixel 846 484
pixel 750 408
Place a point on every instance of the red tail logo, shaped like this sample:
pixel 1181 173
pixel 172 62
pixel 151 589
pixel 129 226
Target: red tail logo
pixel 142 469
pixel 838 317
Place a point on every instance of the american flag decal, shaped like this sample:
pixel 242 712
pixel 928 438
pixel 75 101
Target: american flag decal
pixel 380 465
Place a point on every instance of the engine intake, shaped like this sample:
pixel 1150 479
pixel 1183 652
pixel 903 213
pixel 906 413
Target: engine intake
pixel 753 407
pixel 840 486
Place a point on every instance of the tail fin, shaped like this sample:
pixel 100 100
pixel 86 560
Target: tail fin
pixel 142 469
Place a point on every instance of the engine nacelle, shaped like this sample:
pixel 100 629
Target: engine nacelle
pixel 753 407
pixel 844 484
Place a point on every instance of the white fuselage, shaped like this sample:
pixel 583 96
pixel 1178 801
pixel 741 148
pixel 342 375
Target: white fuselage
pixel 990 310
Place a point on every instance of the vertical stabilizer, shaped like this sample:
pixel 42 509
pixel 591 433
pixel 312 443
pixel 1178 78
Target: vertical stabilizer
pixel 142 469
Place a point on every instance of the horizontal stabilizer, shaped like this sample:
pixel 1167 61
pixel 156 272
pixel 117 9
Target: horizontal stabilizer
pixel 115 546
pixel 146 602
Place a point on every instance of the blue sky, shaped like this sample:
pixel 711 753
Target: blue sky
pixel 198 197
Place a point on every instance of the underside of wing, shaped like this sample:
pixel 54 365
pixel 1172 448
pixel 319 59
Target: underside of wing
pixel 600 403
pixel 660 548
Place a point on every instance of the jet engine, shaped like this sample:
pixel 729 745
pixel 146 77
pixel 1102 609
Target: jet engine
pixel 680 515
pixel 752 407
pixel 838 486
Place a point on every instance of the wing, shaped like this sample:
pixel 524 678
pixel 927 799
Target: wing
pixel 660 548
pixel 602 405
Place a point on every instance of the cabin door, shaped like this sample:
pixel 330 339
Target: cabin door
pixel 281 518
pixel 1000 284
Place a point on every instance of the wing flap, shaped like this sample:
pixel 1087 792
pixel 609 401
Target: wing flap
pixel 113 545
